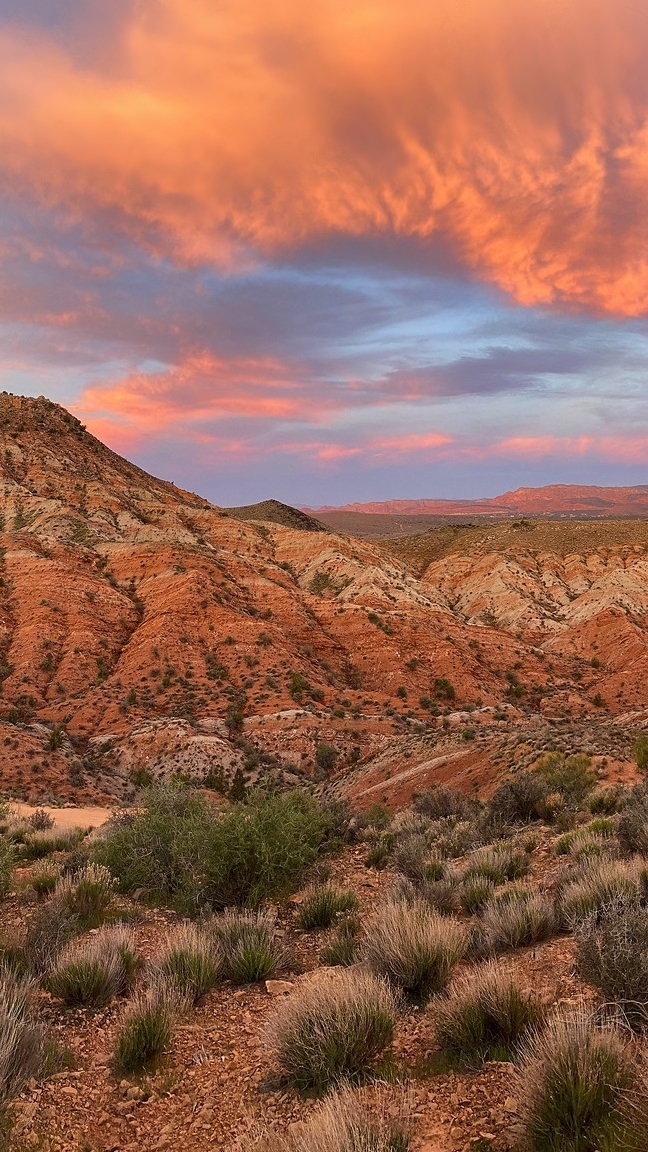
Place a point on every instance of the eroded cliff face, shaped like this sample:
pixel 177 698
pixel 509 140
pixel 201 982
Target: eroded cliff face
pixel 144 632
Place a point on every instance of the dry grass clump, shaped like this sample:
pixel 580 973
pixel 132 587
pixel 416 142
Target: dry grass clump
pixel 579 1088
pixel 514 918
pixel 323 904
pixel 87 893
pixel 498 863
pixel 93 971
pixel 39 843
pixel 7 860
pixel 147 1026
pixel 48 932
pixel 250 949
pixel 476 891
pixel 343 948
pixel 333 1027
pixel 596 883
pixel 413 946
pixel 439 801
pixel 22 1037
pixel 45 877
pixel 613 956
pixel 483 1016
pixel 342 1123
pixel 192 961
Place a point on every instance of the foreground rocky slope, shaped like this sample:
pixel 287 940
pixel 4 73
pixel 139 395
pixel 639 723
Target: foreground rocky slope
pixel 144 631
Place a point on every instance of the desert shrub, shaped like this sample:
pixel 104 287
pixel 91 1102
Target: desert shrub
pixel 45 877
pixel 87 894
pixel 442 893
pixel 606 802
pixel 571 776
pixel 178 850
pixel 576 1078
pixel 22 1037
pixel 518 800
pixel 452 839
pixel 342 1124
pixel 43 843
pixel 250 950
pixel 441 800
pixel 343 947
pixel 413 946
pixel 594 884
pixel 92 971
pixel 379 851
pixel 333 1027
pixel 146 1027
pixel 476 891
pixel 39 820
pixel 515 919
pixel 323 904
pixel 411 856
pixel 49 930
pixel 498 863
pixel 632 829
pixel 191 961
pixel 7 859
pixel 484 1016
pixel 612 955
pixel 641 753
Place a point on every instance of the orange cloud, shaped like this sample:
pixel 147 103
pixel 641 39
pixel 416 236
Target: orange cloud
pixel 516 133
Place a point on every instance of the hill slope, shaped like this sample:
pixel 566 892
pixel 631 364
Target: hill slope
pixel 143 631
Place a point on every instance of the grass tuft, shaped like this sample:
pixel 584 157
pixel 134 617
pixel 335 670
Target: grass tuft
pixel 323 904
pixel 413 946
pixel 484 1016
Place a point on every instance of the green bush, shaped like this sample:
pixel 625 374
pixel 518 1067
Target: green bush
pixel 44 878
pixel 87 893
pixel 498 863
pixel 332 1028
pixel 476 891
pixel 572 776
pixel 7 860
pixel 632 829
pixel 484 1016
pixel 178 850
pixel 577 1082
pixel 323 904
pixel 441 800
pixel 519 800
pixel 91 972
pixel 641 753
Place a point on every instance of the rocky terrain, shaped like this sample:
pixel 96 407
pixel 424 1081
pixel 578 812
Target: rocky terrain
pixel 145 632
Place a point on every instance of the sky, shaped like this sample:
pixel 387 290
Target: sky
pixel 331 252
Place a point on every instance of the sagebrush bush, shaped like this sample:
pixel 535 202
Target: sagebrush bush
pixel 607 801
pixel 413 946
pixel 632 828
pixel 49 930
pixel 93 971
pixel 515 920
pixel 178 850
pixel 519 800
pixel 612 955
pixel 333 1027
pixel 484 1016
pixel 343 948
pixel 87 893
pixel 323 904
pixel 40 820
pixel 192 961
pixel 595 883
pixel 441 800
pixel 146 1027
pixel 343 1124
pixel 576 1081
pixel 22 1036
pixel 248 944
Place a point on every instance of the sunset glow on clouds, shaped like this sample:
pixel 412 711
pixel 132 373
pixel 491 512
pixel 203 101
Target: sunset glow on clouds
pixel 332 251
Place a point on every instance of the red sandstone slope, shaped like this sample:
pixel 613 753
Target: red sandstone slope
pixel 573 500
pixel 143 631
